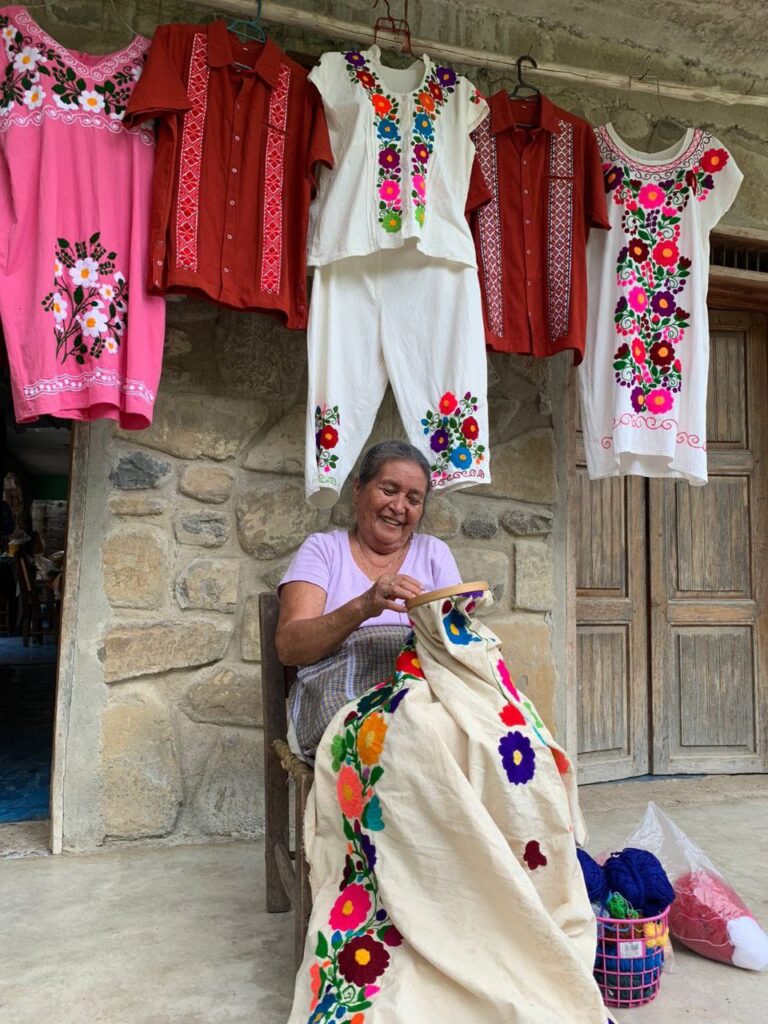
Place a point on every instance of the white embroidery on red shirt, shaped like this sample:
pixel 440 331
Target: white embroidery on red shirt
pixel 489 218
pixel 188 197
pixel 274 172
pixel 560 231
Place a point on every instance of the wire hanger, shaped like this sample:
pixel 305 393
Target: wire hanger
pixel 521 83
pixel 396 31
pixel 249 28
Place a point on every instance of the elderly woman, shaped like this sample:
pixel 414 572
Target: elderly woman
pixel 341 611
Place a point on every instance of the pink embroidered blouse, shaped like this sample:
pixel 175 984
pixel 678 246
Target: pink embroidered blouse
pixel 84 339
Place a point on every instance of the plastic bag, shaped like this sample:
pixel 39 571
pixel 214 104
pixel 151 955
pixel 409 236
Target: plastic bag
pixel 707 915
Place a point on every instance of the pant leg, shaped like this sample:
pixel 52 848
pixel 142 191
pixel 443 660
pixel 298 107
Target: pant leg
pixel 434 349
pixel 347 375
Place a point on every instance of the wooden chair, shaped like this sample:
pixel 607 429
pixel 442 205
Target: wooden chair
pixel 38 606
pixel 287 870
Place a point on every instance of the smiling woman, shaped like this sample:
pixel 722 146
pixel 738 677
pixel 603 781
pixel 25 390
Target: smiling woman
pixel 342 616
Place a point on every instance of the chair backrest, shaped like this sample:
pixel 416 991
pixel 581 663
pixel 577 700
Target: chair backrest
pixel 276 678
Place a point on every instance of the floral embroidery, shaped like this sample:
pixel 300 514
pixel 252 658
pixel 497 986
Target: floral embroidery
pixel 22 84
pixel 654 273
pixel 327 419
pixel 533 856
pixel 386 111
pixel 356 952
pixel 517 757
pixel 90 312
pixel 457 625
pixel 428 101
pixel 454 435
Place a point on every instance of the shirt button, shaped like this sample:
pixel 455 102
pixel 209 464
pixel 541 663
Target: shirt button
pixel 525 191
pixel 234 170
pixel 527 220
pixel 528 283
pixel 229 237
pixel 527 252
pixel 159 263
pixel 226 270
pixel 231 202
pixel 237 138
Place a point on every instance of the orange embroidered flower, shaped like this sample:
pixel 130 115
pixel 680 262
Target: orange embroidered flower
pixel 349 790
pixel 427 101
pixel 370 739
pixel 314 981
pixel 381 104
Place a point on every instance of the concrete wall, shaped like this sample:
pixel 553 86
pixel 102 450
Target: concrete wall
pixel 184 524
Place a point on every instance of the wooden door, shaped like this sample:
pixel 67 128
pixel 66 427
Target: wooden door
pixel 709 562
pixel 609 556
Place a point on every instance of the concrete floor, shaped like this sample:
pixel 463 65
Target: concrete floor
pixel 178 935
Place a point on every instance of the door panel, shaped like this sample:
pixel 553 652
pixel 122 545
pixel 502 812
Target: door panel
pixel 708 559
pixel 611 625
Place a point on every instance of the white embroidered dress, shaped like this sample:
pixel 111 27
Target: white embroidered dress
pixel 644 375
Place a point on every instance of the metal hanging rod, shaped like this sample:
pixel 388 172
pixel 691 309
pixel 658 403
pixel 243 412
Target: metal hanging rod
pixel 280 14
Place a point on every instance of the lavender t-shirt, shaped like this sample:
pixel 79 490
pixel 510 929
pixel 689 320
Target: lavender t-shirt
pixel 325 559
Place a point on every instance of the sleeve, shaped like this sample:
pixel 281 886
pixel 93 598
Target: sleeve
pixel 311 564
pixel 479 191
pixel 319 150
pixel 719 180
pixel 160 90
pixel 474 106
pixel 445 572
pixel 325 73
pixel 595 198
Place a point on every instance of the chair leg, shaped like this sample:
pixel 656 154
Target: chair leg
pixel 277 815
pixel 302 902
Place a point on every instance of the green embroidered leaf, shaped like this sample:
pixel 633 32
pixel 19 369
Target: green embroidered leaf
pixel 81 85
pixel 80 359
pixel 78 296
pixel 94 238
pixel 42 70
pixel 71 76
pixel 112 310
pixel 357 1007
pixel 321 949
pixel 348 830
pixel 376 774
pixel 109 86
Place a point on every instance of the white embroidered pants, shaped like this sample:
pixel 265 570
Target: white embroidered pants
pixel 403 317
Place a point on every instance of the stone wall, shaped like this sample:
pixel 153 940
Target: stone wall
pixel 181 526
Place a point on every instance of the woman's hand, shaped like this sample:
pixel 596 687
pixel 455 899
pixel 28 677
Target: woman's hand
pixel 389 591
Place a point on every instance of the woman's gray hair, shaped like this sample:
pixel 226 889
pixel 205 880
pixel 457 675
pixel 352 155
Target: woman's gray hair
pixel 386 451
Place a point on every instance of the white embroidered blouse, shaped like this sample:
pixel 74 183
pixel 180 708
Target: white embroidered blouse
pixel 402 158
pixel 644 375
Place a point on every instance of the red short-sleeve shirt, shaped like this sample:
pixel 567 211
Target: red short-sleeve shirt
pixel 543 169
pixel 240 129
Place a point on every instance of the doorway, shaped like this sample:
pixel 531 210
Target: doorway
pixel 671 603
pixel 34 470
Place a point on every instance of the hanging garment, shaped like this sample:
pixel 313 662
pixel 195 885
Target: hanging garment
pixel 401 139
pixel 416 321
pixel 644 377
pixel 240 131
pixel 84 339
pixel 542 167
pixel 440 838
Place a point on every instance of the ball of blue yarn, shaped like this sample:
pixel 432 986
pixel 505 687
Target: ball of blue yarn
pixel 640 878
pixel 597 889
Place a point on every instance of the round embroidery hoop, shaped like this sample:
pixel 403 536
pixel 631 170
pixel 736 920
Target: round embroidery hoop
pixel 453 591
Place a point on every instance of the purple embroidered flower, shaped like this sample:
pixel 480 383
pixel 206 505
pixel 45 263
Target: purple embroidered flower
pixel 638 399
pixel 446 77
pixel 621 305
pixel 517 757
pixel 395 702
pixel 369 850
pixel 439 440
pixel 613 177
pixel 389 158
pixel 355 58
pixel 663 303
pixel 708 182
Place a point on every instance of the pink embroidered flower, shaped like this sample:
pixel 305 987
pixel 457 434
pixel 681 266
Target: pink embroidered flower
pixel 638 351
pixel 651 196
pixel 659 400
pixel 349 790
pixel 638 299
pixel 666 253
pixel 506 678
pixel 419 185
pixel 351 909
pixel 389 190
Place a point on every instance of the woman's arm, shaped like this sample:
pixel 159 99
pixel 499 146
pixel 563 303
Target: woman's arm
pixel 305 635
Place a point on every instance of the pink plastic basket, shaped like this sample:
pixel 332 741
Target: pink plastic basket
pixel 630 956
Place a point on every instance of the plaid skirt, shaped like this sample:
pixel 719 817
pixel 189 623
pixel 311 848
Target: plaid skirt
pixel 365 658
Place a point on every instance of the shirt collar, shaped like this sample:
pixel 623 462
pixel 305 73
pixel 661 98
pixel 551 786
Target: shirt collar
pixel 220 54
pixel 503 113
